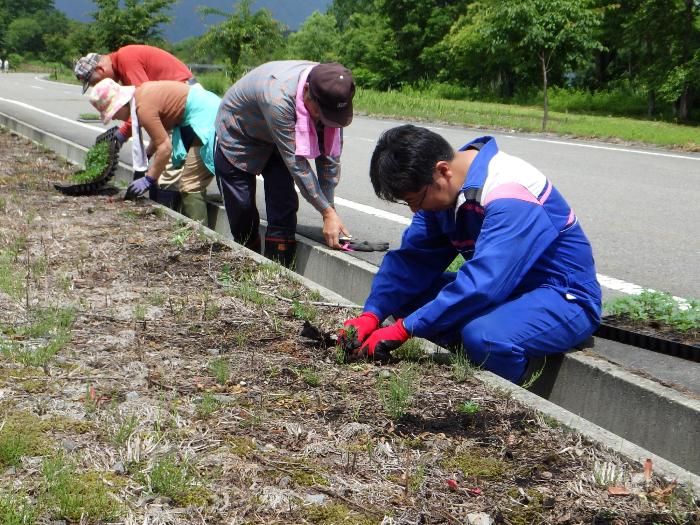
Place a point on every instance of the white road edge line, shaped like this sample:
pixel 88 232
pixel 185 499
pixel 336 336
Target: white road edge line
pixel 611 148
pixel 608 282
pixel 59 117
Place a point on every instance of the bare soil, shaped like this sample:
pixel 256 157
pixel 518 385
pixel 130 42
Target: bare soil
pixel 186 394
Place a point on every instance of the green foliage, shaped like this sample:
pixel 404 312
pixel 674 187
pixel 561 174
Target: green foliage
pixel 17 509
pixel 11 281
pixel 317 39
pixel 217 82
pixel 137 22
pixel 175 479
pixel 310 376
pixel 303 311
pixel 657 306
pixel 220 369
pixel 126 428
pixel 411 350
pixel 96 161
pixel 207 405
pixel 244 39
pixel 396 393
pixel 77 496
pixel 462 368
pixel 19 436
pixel 470 408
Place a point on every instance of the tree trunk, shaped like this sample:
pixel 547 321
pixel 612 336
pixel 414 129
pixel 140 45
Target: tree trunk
pixel 684 105
pixel 544 91
pixel 651 103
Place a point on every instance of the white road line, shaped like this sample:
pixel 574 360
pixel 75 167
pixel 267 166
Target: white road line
pixel 610 148
pixel 36 87
pixel 59 117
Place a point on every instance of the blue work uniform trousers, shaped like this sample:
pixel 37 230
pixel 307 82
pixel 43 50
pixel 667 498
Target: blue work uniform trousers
pixel 504 337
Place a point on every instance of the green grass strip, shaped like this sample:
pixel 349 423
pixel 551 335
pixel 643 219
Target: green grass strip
pixel 399 105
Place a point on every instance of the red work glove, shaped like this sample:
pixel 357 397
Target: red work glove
pixel 362 327
pixel 379 345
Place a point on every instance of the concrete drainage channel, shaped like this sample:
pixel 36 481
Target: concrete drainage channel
pixel 637 417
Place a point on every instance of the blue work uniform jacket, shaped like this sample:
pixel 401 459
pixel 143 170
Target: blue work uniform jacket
pixel 516 233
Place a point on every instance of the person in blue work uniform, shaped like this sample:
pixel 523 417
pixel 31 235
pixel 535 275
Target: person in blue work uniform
pixel 528 285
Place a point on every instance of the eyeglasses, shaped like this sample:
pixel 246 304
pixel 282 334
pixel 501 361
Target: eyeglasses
pixel 417 201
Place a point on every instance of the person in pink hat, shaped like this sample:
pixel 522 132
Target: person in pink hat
pixel 159 107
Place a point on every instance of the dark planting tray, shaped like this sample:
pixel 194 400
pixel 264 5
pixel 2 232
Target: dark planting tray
pixel 649 342
pixel 96 185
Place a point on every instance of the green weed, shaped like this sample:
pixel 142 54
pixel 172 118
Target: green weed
pixel 310 377
pixel 77 496
pixel 305 312
pixel 20 436
pixel 125 430
pixel 17 509
pixel 462 368
pixel 470 408
pixel 220 369
pixel 411 350
pixel 248 292
pixel 89 116
pixel 156 299
pixel 181 235
pixel 176 480
pixel 207 406
pixel 11 278
pixel 396 393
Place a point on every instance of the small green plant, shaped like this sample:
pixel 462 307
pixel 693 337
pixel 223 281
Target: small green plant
pixel 462 368
pixel 77 496
pixel 470 408
pixel 207 406
pixel 456 264
pixel 220 369
pixel 156 299
pixel 310 376
pixel 17 509
pixel 139 313
pixel 535 376
pixel 125 429
pixel 176 480
pixel 657 306
pixel 180 236
pixel 3 204
pixel 96 161
pixel 305 312
pixel 211 307
pixel 396 393
pixel 248 292
pixel 130 214
pixel 19 437
pixel 411 350
pixel 225 275
pixel 11 281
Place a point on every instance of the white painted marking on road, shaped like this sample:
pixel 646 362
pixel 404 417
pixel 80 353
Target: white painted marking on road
pixel 633 289
pixel 36 87
pixel 55 82
pixel 369 210
pixel 59 117
pixel 610 148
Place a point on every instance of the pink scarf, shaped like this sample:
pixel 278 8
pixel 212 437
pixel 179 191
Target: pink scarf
pixel 305 131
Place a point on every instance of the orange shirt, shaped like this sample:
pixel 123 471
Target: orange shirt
pixel 160 107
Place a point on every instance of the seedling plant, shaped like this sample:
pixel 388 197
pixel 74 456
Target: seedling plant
pixel 96 162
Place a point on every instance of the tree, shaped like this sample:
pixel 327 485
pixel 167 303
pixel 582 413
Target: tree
pixel 244 38
pixel 138 22
pixel 24 36
pixel 342 10
pixel 318 39
pixel 546 31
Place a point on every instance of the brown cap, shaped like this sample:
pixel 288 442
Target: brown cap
pixel 331 85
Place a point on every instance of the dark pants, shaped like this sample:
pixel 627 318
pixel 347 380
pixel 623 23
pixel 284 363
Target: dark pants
pixel 237 188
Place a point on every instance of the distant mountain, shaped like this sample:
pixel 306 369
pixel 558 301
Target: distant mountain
pixel 187 22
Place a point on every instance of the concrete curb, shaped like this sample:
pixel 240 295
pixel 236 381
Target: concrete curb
pixel 319 267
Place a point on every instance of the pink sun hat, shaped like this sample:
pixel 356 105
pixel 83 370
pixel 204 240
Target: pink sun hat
pixel 108 97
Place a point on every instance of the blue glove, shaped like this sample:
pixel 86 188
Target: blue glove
pixel 119 137
pixel 138 187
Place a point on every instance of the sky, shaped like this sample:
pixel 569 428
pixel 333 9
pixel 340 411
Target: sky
pixel 188 23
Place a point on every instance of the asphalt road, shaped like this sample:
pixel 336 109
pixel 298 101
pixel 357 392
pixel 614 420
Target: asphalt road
pixel 639 206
